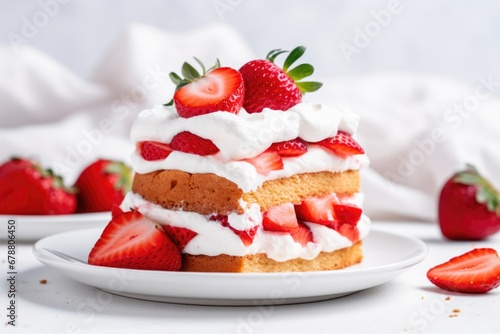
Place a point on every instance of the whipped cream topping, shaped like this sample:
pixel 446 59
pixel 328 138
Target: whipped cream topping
pixel 244 135
pixel 214 239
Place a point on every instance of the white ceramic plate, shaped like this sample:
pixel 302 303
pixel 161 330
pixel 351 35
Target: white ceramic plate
pixel 29 228
pixel 386 256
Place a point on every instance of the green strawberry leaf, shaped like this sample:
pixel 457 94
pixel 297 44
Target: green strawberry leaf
pixel 293 56
pixel 309 86
pixel 189 72
pixel 301 71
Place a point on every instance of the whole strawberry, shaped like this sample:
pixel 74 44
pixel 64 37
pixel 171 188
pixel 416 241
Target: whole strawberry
pixel 269 86
pixel 102 184
pixel 215 89
pixel 469 207
pixel 28 189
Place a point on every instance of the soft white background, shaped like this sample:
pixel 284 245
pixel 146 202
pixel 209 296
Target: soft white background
pixel 414 70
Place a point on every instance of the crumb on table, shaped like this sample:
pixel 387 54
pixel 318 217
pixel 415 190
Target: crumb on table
pixel 42 281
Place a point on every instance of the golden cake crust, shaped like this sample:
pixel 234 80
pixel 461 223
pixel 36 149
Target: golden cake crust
pixel 208 193
pixel 338 259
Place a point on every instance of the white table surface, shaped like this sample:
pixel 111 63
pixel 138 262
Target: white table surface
pixel 407 304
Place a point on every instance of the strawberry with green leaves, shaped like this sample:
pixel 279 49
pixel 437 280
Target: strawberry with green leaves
pixel 269 86
pixel 102 184
pixel 216 89
pixel 28 189
pixel 469 207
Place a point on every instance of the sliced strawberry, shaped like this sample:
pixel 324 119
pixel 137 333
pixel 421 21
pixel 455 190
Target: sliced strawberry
pixel 116 211
pixel 291 148
pixel 266 162
pixel 246 236
pixel 302 235
pixel 180 235
pixel 318 209
pixel 216 89
pixel 280 218
pixel 151 150
pixel 342 145
pixel 351 232
pixel 133 241
pixel 477 271
pixel 188 142
pixel 347 214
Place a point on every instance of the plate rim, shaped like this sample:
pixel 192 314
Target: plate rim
pixel 408 262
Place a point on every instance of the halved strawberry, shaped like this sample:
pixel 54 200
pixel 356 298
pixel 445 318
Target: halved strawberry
pixel 269 86
pixel 280 218
pixel 216 89
pixel 151 150
pixel 302 235
pixel 290 148
pixel 266 162
pixel 347 214
pixel 180 235
pixel 477 271
pixel 318 210
pixel 133 241
pixel 188 142
pixel 246 236
pixel 342 144
pixel 116 211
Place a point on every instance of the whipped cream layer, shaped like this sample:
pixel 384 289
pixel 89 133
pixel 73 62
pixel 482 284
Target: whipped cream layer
pixel 243 135
pixel 214 239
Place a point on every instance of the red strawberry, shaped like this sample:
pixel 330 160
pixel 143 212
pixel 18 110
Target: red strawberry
pixel 290 148
pixel 216 89
pixel 266 162
pixel 190 143
pixel 269 86
pixel 349 231
pixel 477 271
pixel 102 184
pixel 302 235
pixel 180 235
pixel 280 218
pixel 246 236
pixel 347 214
pixel 469 207
pixel 318 209
pixel 151 150
pixel 28 189
pixel 342 144
pixel 133 241
pixel 116 211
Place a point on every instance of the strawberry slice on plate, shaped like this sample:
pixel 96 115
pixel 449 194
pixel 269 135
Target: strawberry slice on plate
pixel 342 145
pixel 133 241
pixel 280 218
pixel 266 162
pixel 215 89
pixel 151 150
pixel 290 148
pixel 477 271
